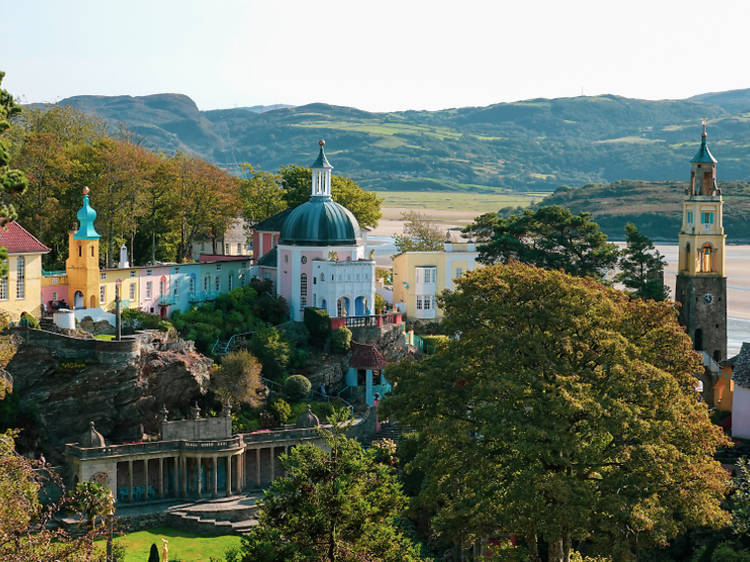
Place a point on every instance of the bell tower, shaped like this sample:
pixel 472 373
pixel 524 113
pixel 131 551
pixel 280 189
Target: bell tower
pixel 82 264
pixel 321 174
pixel 701 286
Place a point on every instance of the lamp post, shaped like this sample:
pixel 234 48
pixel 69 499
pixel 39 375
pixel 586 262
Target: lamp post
pixel 118 317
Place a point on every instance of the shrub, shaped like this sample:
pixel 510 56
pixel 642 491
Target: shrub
pixel 271 350
pixel 282 410
pixel 380 304
pixel 341 340
pixel 318 323
pixel 297 387
pixel 135 319
pixel 238 378
pixel 435 343
pixel 28 320
pixel 268 419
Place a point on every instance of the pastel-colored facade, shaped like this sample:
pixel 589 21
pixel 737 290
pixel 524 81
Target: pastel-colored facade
pixel 234 242
pixel 740 365
pixel 266 234
pixel 418 277
pixel 320 255
pixel 21 288
pixel 366 374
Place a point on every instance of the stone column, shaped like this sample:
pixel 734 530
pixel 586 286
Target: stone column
pixel 198 470
pixel 161 477
pixel 273 463
pixel 183 475
pixel 229 475
pixel 130 480
pixel 257 467
pixel 214 491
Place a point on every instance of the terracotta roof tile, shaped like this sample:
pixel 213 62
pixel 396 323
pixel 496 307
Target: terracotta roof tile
pixel 365 356
pixel 18 240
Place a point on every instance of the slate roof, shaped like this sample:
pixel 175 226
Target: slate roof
pixel 741 366
pixel 703 154
pixel 214 258
pixel 366 356
pixel 321 161
pixel 274 223
pixel 320 222
pixel 270 258
pixel 18 240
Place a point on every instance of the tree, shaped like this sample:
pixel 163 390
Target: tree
pixel 261 195
pixel 272 351
pixel 23 518
pixel 550 237
pixel 564 411
pixel 419 234
pixel 335 504
pixel 642 266
pixel 238 378
pixel 364 205
pixel 11 181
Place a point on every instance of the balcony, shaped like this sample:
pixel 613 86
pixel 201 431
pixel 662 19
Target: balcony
pixel 166 300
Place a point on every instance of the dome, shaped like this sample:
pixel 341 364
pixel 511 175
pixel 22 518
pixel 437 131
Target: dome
pixel 86 217
pixel 320 222
pixel 91 438
pixel 307 419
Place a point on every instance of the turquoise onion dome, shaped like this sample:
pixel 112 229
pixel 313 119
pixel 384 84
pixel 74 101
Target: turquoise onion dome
pixel 703 154
pixel 86 217
pixel 320 222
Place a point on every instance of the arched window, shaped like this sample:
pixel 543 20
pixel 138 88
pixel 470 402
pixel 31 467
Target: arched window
pixel 688 256
pixel 303 290
pixel 706 258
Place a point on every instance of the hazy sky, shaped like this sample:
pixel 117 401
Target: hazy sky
pixel 376 55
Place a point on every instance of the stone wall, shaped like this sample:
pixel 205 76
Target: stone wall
pixel 200 428
pixel 69 347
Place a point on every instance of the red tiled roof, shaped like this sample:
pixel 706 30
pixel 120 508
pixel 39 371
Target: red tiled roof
pixel 365 356
pixel 18 240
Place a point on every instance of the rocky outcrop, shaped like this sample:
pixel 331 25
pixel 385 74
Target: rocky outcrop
pixel 389 340
pixel 61 385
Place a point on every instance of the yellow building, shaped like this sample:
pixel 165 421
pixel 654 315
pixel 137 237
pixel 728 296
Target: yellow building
pixel 129 288
pixel 82 264
pixel 21 288
pixel 418 277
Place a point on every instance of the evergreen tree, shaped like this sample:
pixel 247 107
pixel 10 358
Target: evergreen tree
pixel 336 503
pixel 550 237
pixel 642 266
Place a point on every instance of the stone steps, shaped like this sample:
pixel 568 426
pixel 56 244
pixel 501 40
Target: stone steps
pixel 235 515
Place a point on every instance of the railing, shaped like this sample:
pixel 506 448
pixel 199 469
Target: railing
pixel 202 296
pixel 224 347
pixel 366 320
pixel 153 447
pixel 166 300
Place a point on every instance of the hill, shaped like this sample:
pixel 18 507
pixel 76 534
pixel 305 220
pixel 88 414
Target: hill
pixel 654 207
pixel 529 145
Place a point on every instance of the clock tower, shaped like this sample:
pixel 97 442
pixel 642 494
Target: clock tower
pixel 701 281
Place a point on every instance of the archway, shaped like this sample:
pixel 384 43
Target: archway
pixel 78 300
pixel 323 304
pixel 342 307
pixel 706 258
pixel 360 306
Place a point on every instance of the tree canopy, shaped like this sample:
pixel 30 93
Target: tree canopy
pixel 418 234
pixel 336 503
pixel 550 237
pixel 642 266
pixel 565 411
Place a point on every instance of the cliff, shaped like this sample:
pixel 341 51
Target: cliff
pixel 61 383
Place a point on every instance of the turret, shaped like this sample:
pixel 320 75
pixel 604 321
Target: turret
pixel 82 265
pixel 321 174
pixel 703 169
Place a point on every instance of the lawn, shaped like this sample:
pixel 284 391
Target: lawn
pixel 183 545
pixel 104 337
pixel 449 200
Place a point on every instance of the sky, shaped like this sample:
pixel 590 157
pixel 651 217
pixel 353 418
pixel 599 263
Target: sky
pixel 379 55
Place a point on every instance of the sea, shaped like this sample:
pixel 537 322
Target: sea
pixel 737 271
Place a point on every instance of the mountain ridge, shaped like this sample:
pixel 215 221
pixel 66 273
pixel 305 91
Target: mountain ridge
pixel 529 145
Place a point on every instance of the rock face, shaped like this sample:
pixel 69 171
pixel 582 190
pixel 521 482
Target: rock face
pixel 121 393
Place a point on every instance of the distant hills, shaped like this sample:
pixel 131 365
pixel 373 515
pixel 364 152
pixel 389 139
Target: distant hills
pixel 531 145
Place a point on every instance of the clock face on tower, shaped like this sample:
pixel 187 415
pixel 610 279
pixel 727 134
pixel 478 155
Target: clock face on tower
pixel 708 298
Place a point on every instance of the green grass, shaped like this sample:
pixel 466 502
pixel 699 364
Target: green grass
pixel 375 127
pixel 183 545
pixel 105 337
pixel 448 200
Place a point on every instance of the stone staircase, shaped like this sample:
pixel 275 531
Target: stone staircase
pixel 233 515
pixel 391 430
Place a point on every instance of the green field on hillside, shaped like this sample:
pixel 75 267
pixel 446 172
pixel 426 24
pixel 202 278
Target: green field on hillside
pixel 182 545
pixel 448 200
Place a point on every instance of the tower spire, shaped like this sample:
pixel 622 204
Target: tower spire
pixel 86 217
pixel 321 174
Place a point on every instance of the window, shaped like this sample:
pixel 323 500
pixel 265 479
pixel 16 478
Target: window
pixel 218 267
pixel 176 286
pixel 226 249
pixel 239 247
pixel 192 285
pixel 322 277
pixel 229 282
pixel 103 276
pixel 20 277
pixel 419 303
pixel 426 275
pixel 427 303
pixel 92 251
pixel 132 273
pixel 148 289
pixel 162 287
pixel 80 251
pixel 206 283
pixel 102 294
pixel 459 272
pixel 218 284
pixel 132 291
pixel 286 258
pixel 54 297
pixel 707 217
pixel 304 259
pixel 4 288
pixel 148 272
pixel 706 258
pixel 303 290
pixel 690 217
